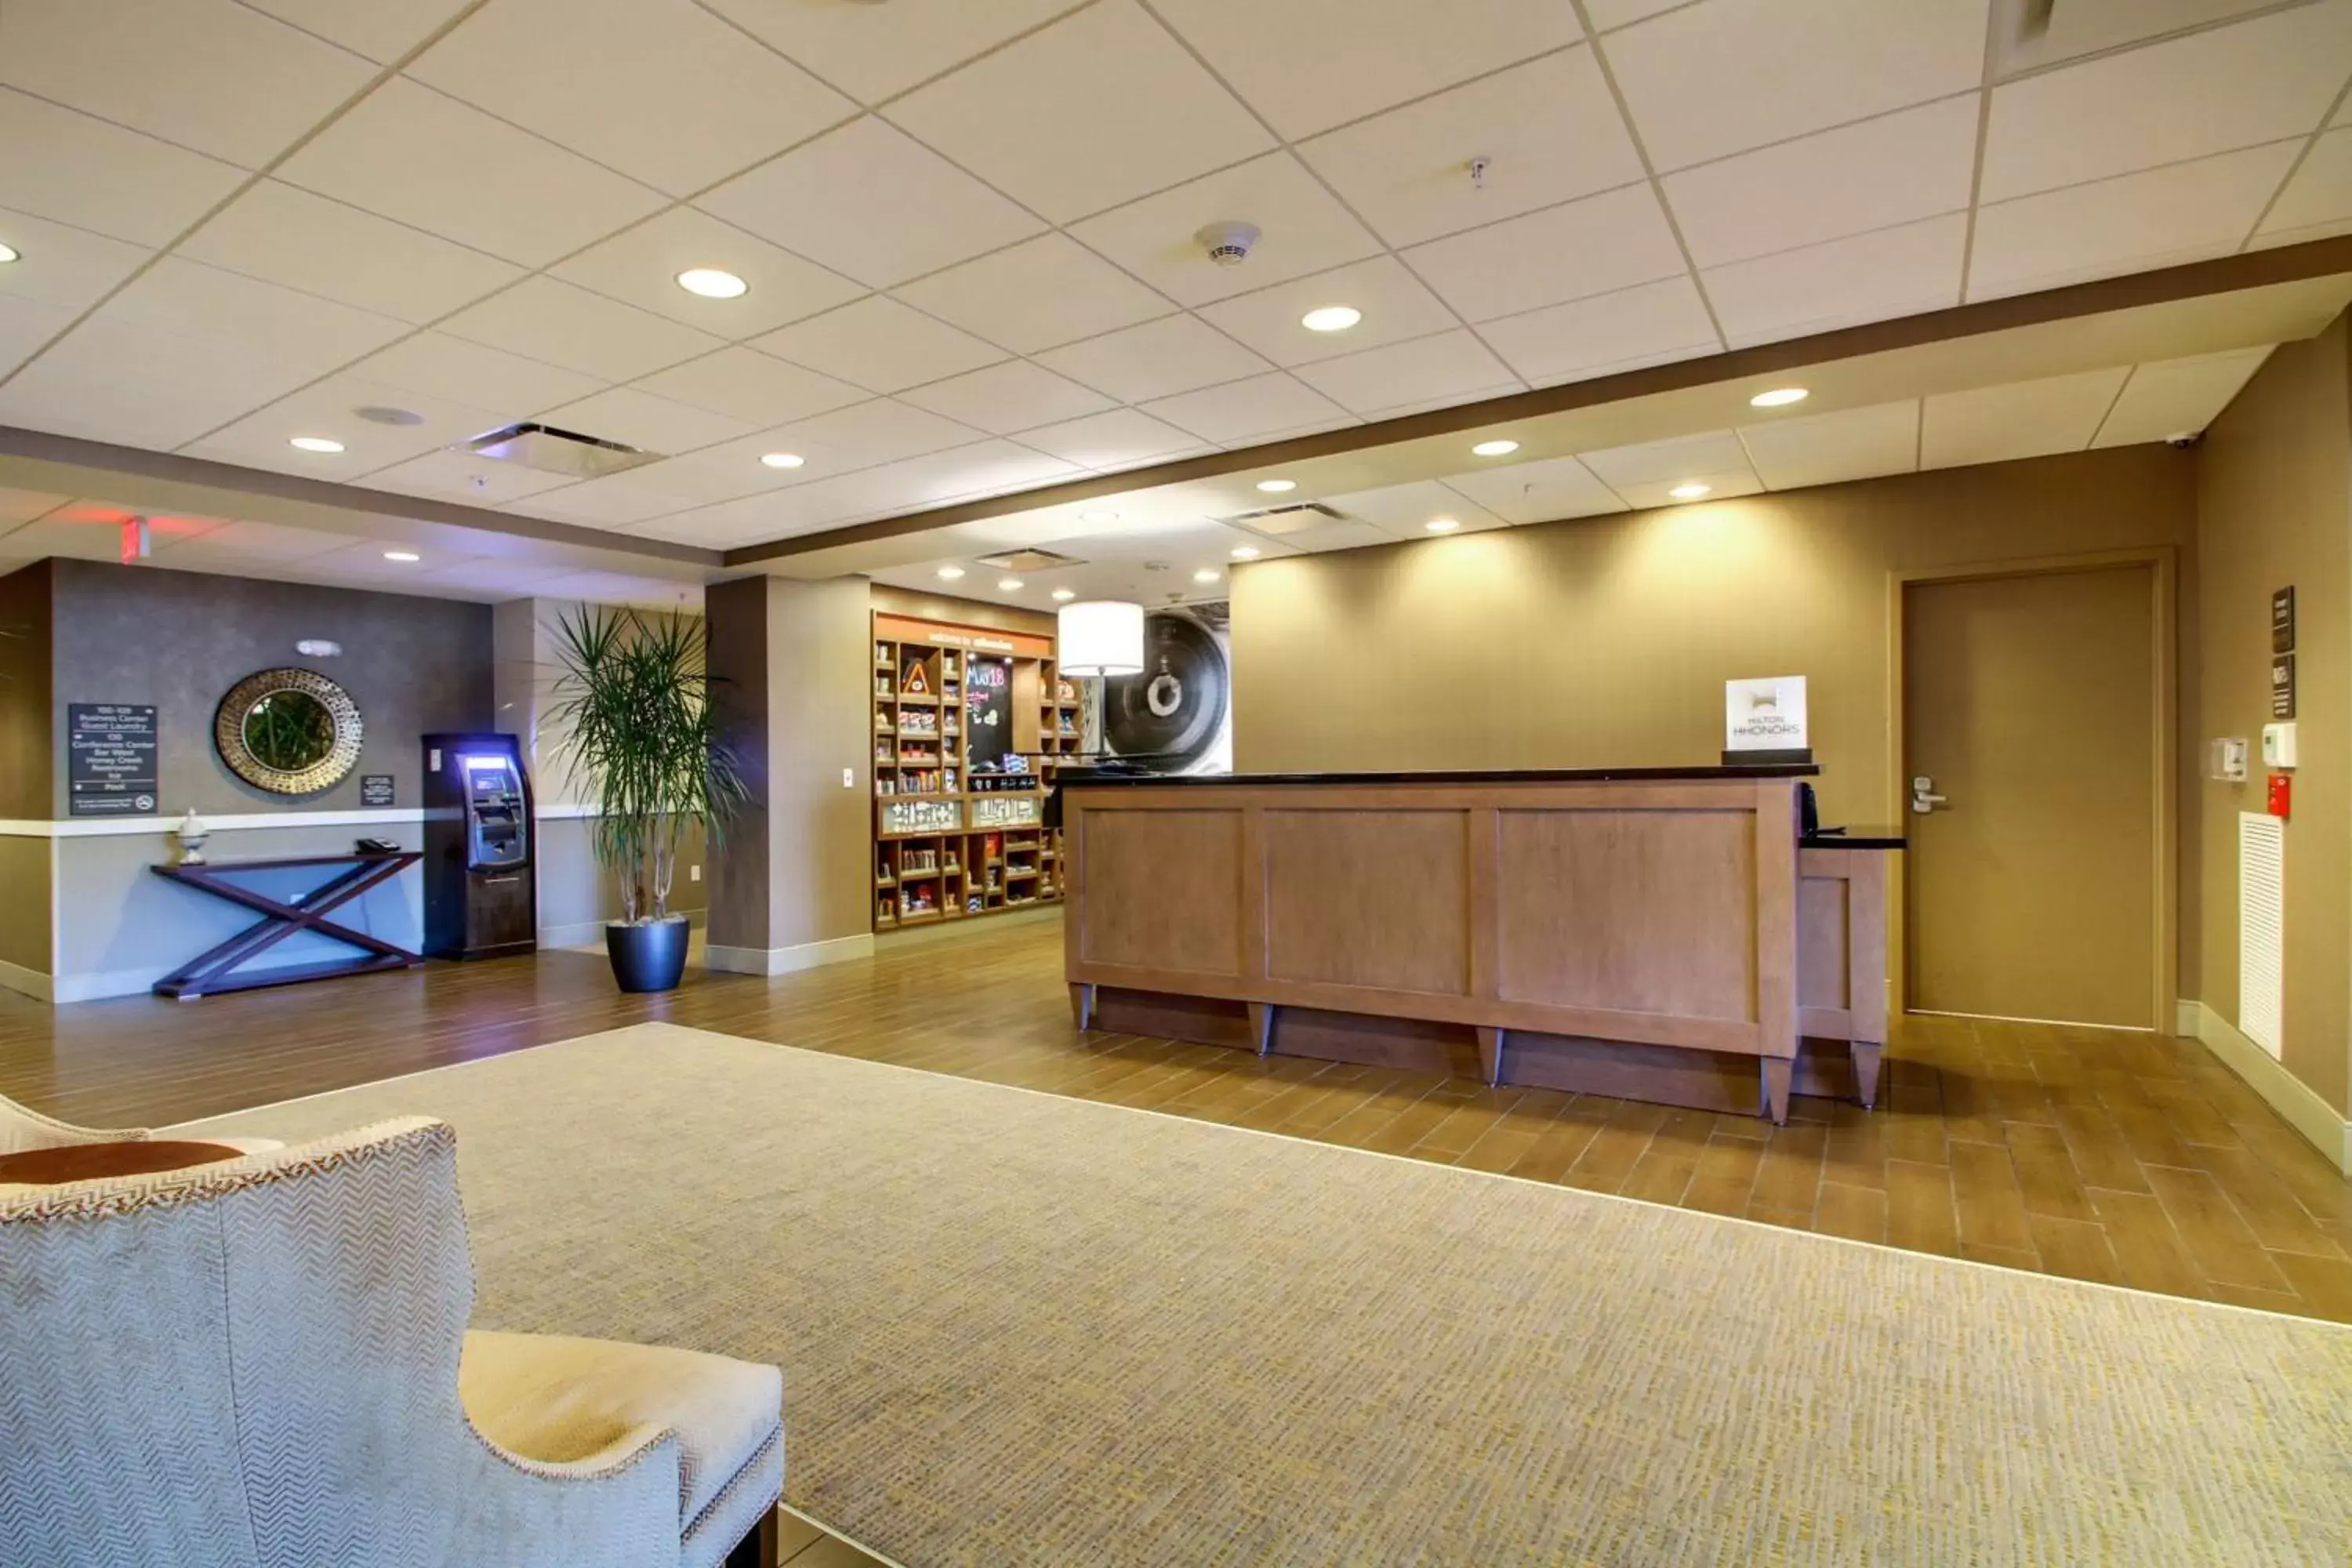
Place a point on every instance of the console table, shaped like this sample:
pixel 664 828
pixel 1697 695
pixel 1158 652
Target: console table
pixel 214 971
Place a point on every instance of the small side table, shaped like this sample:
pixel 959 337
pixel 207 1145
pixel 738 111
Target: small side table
pixel 212 972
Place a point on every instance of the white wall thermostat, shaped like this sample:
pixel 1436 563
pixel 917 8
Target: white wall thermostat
pixel 2278 744
pixel 2226 760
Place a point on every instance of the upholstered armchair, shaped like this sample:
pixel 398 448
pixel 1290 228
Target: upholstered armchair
pixel 23 1130
pixel 265 1363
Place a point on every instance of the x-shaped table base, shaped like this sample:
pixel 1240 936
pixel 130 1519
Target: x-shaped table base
pixel 210 974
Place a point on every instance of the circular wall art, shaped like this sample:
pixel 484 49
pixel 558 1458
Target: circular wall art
pixel 289 732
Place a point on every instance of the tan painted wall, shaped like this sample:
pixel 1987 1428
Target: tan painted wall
pixel 25 913
pixel 1607 641
pixel 2275 508
pixel 795 658
pixel 26 744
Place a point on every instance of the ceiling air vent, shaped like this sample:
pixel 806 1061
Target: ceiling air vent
pixel 553 451
pixel 1275 521
pixel 1029 561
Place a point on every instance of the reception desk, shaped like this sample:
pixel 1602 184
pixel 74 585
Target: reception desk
pixel 1656 933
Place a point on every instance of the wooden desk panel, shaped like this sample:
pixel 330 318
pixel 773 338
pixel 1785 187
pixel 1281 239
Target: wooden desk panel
pixel 1656 914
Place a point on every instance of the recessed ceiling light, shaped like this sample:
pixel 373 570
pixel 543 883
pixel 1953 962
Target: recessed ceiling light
pixel 1246 553
pixel 1689 489
pixel 8 253
pixel 1207 574
pixel 712 284
pixel 1779 398
pixel 1098 515
pixel 782 459
pixel 950 572
pixel 1066 595
pixel 1275 487
pixel 401 555
pixel 1009 584
pixel 314 444
pixel 1495 448
pixel 1331 319
pixel 1442 524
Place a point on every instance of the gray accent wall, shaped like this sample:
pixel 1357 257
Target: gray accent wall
pixel 181 639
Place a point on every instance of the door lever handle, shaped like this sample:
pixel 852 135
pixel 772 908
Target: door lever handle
pixel 1922 802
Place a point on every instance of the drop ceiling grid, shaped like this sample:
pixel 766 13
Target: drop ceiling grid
pixel 1188 76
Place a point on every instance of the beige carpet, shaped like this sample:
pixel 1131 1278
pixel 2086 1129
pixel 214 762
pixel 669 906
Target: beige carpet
pixel 1018 1329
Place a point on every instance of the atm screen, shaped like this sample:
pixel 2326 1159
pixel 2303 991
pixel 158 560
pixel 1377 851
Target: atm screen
pixel 497 832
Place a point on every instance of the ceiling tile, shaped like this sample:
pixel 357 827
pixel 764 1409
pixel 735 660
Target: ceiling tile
pixel 26 325
pixel 652 424
pixel 1562 253
pixel 660 89
pixel 1608 13
pixel 382 30
pixel 73 169
pixel 1330 536
pixel 464 477
pixel 240 541
pixel 724 472
pixel 2320 193
pixel 288 235
pixel 640 267
pixel 62 266
pixel 747 384
pixel 1868 278
pixel 1259 408
pixel 437 165
pixel 874 52
pixel 1159 359
pixel 1395 306
pixel 1302 229
pixel 1003 398
pixel 1441 369
pixel 881 431
pixel 327 408
pixel 546 320
pixel 1040 293
pixel 1729 75
pixel 880 344
pixel 206 74
pixel 1359 57
pixel 458 371
pixel 1549 131
pixel 1541 491
pixel 1829 449
pixel 870 201
pixel 2177 397
pixel 246 331
pixel 2132 223
pixel 983 467
pixel 2024 419
pixel 83 388
pixel 1894 169
pixel 1120 438
pixel 1405 512
pixel 24 506
pixel 1645 325
pixel 615 501
pixel 1724 485
pixel 2257 80
pixel 1667 461
pixel 1098 108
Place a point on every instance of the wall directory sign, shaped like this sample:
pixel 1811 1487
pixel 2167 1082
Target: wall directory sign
pixel 375 790
pixel 110 751
pixel 2282 686
pixel 2282 620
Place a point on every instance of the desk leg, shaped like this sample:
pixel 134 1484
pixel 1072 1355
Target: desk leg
pixel 1866 1058
pixel 1490 1054
pixel 1082 1005
pixel 1777 1070
pixel 1261 1016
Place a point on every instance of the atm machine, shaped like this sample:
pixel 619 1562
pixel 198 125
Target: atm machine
pixel 481 898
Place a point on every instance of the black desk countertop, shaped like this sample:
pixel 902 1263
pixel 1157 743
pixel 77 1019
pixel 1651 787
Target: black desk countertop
pixel 1089 778
pixel 1854 838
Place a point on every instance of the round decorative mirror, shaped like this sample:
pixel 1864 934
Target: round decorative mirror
pixel 290 731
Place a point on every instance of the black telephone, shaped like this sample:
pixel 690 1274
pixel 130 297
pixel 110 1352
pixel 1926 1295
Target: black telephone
pixel 377 846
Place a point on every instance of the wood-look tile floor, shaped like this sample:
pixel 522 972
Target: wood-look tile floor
pixel 2128 1159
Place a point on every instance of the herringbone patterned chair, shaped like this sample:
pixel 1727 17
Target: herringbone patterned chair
pixel 264 1363
pixel 23 1130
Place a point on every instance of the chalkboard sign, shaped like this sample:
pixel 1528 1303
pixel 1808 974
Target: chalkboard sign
pixel 110 751
pixel 376 789
pixel 987 713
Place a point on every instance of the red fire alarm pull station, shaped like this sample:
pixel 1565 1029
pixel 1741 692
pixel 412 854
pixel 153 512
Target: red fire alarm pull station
pixel 2282 787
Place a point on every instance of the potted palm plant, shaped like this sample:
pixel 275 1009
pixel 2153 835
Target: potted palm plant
pixel 634 719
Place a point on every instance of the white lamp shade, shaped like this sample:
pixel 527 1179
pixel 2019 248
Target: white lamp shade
pixel 1101 636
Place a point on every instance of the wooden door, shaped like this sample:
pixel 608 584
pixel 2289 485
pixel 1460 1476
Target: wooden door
pixel 2031 707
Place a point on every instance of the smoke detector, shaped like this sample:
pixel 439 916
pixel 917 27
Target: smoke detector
pixel 1228 244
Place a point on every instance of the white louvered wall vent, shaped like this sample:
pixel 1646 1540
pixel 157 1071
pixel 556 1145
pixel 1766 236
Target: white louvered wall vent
pixel 2261 905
